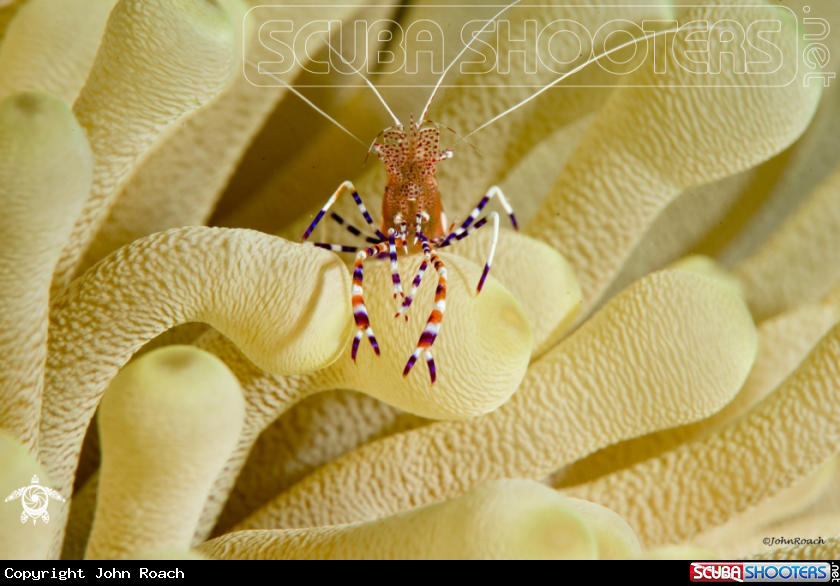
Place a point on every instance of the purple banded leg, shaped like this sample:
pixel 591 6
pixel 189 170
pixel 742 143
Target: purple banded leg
pixel 427 252
pixel 495 217
pixel 431 363
pixel 395 269
pixel 403 235
pixel 430 332
pixel 346 186
pixel 446 241
pixel 418 224
pixel 411 360
pixel 364 211
pixel 353 230
pixel 333 247
pixel 359 310
pixel 491 193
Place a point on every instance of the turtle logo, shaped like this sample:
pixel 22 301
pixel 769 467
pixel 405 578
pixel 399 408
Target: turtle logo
pixel 35 501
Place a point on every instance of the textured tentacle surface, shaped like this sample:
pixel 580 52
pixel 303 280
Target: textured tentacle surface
pixel 516 519
pixel 285 305
pixel 45 176
pixel 537 275
pixel 168 422
pixel 190 61
pixel 783 342
pixel 483 362
pixel 44 29
pixel 636 146
pixel 799 263
pixel 699 485
pixel 642 384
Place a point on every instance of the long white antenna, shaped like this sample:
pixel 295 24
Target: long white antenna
pixel 458 56
pixel 304 98
pixel 367 81
pixel 575 70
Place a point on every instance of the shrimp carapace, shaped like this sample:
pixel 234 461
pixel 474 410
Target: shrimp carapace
pixel 410 156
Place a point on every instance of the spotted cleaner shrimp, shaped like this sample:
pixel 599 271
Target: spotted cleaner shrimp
pixel 410 156
pixel 413 217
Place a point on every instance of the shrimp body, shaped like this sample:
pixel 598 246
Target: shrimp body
pixel 410 158
pixel 413 220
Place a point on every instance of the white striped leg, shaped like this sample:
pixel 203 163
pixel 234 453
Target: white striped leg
pixel 395 269
pixel 360 314
pixel 403 235
pixel 495 217
pixel 427 253
pixel 492 216
pixel 333 247
pixel 430 332
pixel 450 239
pixel 348 187
pixel 353 230
pixel 491 193
pixel 418 223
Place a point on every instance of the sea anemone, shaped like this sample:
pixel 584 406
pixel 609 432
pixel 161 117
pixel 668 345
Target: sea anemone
pixel 176 365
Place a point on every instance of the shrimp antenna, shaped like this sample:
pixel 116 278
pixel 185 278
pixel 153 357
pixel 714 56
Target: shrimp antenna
pixel 367 81
pixel 575 70
pixel 458 56
pixel 439 125
pixel 305 99
pixel 370 148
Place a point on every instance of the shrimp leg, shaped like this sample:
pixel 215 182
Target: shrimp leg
pixel 346 186
pixel 495 217
pixel 359 310
pixel 430 332
pixel 491 193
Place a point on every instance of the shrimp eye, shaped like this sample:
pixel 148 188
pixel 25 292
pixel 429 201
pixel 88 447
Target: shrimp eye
pixel 447 154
